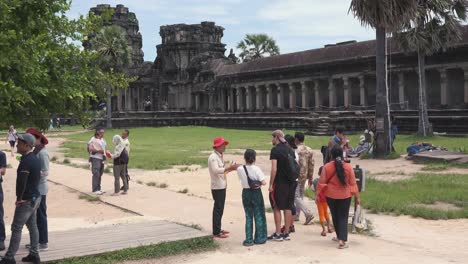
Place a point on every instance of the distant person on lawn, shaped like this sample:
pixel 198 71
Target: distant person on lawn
pixel 126 141
pixel 43 155
pixel 120 157
pixel 28 199
pixel 338 182
pixel 97 150
pixel 218 173
pixel 12 136
pixel 252 178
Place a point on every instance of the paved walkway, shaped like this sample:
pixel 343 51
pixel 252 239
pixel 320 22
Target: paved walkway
pixel 92 241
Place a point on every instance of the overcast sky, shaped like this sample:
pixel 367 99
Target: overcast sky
pixel 296 25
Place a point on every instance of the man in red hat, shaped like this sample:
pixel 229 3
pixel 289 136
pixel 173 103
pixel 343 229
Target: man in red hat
pixel 218 173
pixel 43 155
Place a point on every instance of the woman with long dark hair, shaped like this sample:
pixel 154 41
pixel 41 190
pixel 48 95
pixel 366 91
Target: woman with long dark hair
pixel 338 182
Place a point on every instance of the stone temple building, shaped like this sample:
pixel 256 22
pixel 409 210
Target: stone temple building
pixel 193 82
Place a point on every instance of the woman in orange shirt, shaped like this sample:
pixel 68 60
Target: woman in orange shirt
pixel 338 182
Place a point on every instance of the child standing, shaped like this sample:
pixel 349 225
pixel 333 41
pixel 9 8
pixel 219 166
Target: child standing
pixel 322 205
pixel 252 199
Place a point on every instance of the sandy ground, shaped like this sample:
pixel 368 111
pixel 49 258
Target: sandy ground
pixel 65 209
pixel 399 239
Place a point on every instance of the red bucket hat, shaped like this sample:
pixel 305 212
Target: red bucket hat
pixel 34 132
pixel 219 141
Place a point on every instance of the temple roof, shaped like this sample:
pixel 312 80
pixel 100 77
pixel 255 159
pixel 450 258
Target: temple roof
pixel 336 53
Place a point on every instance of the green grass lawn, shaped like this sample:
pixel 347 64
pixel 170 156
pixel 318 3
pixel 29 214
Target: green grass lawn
pixel 407 196
pixel 164 147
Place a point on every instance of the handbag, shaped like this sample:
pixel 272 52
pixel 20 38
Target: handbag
pixel 253 184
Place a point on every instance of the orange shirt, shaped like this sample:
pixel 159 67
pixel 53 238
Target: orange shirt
pixel 334 188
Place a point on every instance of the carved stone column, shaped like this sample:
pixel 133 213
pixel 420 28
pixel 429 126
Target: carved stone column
pixel 317 94
pixel 347 92
pixel 119 100
pixel 248 99
pixel 239 99
pixel 211 99
pixel 258 97
pixel 465 74
pixel 197 102
pixel 401 89
pixel 269 97
pixel 280 96
pixel 292 96
pixel 362 91
pixel 443 87
pixel 305 96
pixel 331 93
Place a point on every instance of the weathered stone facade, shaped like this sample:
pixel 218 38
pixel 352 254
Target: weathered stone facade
pixel 192 74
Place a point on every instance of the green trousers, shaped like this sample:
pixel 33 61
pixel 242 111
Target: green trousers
pixel 254 208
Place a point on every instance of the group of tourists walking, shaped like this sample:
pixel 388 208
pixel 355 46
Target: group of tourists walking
pixel 31 193
pixel 292 169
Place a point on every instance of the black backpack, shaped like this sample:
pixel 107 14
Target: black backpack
pixel 293 167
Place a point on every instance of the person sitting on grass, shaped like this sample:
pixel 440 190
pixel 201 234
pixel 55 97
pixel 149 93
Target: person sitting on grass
pixel 322 207
pixel 251 178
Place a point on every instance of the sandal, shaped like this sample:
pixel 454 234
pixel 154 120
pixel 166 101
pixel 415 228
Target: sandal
pixel 323 233
pixel 343 246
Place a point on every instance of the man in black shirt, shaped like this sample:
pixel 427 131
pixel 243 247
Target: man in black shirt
pixel 3 166
pixel 28 199
pixel 281 188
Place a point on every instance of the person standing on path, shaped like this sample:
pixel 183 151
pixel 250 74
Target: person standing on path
pixel 306 174
pixel 120 158
pixel 218 173
pixel 11 138
pixel 339 183
pixel 3 165
pixel 43 155
pixel 252 199
pixel 126 141
pixel 28 199
pixel 281 188
pixel 96 155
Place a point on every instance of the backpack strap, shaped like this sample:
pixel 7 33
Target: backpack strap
pixel 247 174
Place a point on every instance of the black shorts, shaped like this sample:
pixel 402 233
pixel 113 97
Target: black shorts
pixel 12 143
pixel 282 197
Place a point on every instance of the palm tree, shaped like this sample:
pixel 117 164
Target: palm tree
pixel 383 15
pixel 437 24
pixel 256 46
pixel 114 56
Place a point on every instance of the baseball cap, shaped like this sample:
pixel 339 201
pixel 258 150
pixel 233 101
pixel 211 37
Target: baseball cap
pixel 279 134
pixel 27 138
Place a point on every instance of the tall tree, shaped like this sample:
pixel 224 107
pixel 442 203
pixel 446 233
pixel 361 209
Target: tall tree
pixel 42 70
pixel 256 46
pixel 436 25
pixel 111 45
pixel 383 15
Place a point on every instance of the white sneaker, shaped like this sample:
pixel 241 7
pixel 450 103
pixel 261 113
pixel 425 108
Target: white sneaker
pixel 98 192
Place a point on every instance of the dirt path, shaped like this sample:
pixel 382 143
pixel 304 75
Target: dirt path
pixel 399 240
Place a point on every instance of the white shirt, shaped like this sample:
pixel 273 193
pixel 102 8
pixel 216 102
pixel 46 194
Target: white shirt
pixel 216 169
pixel 98 145
pixel 127 145
pixel 255 174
